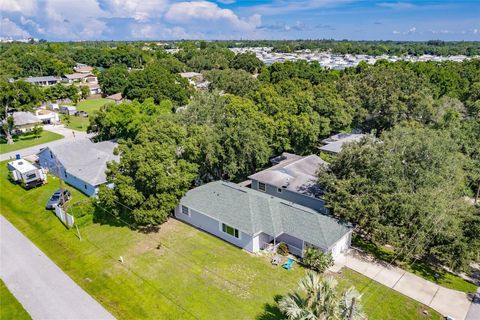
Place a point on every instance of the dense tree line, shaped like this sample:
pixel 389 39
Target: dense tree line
pixel 420 160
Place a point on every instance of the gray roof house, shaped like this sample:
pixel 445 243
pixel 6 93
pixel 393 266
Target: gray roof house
pixel 82 163
pixel 254 220
pixel 44 81
pixel 24 121
pixel 334 144
pixel 292 178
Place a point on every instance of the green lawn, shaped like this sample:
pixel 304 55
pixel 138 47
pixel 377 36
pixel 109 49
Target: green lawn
pixel 10 308
pixel 176 272
pixel 436 275
pixel 89 105
pixel 27 140
pixel 76 123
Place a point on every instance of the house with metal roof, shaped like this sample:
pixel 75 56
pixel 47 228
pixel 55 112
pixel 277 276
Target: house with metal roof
pixel 81 164
pixel 44 81
pixel 254 220
pixel 334 144
pixel 292 178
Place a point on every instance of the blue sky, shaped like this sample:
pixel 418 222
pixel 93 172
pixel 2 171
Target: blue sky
pixel 62 20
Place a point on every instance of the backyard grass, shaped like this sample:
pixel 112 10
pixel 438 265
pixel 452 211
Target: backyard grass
pixel 10 308
pixel 89 105
pixel 27 140
pixel 76 123
pixel 176 272
pixel 421 269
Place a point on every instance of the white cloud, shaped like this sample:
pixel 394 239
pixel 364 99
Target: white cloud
pixel 396 5
pixel 9 28
pixel 287 7
pixel 152 31
pixel 195 11
pixel 138 9
pixel 412 30
pixel 27 7
pixel 475 31
pixel 227 1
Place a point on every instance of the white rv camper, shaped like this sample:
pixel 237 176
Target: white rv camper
pixel 25 173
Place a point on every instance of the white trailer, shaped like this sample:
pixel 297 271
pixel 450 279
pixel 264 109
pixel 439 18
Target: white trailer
pixel 25 173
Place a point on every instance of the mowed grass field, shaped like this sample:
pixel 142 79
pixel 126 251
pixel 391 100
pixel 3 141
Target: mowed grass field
pixel 89 105
pixel 10 308
pixel 176 272
pixel 27 140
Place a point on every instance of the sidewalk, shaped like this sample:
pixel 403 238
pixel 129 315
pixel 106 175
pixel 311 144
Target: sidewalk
pixel 60 129
pixel 446 301
pixel 43 289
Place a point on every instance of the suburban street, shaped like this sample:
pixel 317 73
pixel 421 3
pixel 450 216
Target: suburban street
pixel 43 289
pixel 60 129
pixel 446 301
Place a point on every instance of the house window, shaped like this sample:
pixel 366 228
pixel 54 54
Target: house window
pixel 51 155
pixel 65 174
pixel 185 210
pixel 262 186
pixel 279 190
pixel 230 230
pixel 85 186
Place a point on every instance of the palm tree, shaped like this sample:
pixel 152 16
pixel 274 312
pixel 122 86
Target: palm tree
pixel 318 299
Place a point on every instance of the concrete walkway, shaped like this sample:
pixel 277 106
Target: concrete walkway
pixel 43 289
pixel 60 129
pixel 446 301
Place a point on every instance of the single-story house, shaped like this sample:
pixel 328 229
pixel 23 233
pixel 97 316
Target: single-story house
pixel 81 164
pixel 94 88
pixel 47 116
pixel 82 68
pixel 70 110
pixel 81 77
pixel 254 220
pixel 24 121
pixel 117 98
pixel 44 81
pixel 292 178
pixel 334 144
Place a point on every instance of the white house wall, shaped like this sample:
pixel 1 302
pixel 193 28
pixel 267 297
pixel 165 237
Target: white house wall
pixel 341 245
pixel 213 226
pixel 291 196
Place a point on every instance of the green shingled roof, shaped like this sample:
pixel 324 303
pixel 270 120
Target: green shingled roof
pixel 252 212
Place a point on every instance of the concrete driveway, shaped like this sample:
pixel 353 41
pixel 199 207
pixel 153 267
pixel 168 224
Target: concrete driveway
pixel 446 301
pixel 43 289
pixel 69 135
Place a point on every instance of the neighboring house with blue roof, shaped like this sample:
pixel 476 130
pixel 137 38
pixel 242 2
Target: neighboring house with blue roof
pixel 292 178
pixel 81 164
pixel 254 220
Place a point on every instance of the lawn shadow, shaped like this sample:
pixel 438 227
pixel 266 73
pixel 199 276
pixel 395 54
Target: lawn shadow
pixel 427 272
pixel 102 217
pixel 271 311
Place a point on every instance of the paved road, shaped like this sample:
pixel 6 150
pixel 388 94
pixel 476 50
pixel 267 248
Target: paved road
pixel 446 301
pixel 43 289
pixel 68 136
pixel 474 312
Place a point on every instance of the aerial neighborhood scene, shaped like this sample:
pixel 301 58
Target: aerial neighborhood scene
pixel 234 159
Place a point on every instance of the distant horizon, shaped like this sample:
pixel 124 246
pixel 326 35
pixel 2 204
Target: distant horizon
pixel 170 20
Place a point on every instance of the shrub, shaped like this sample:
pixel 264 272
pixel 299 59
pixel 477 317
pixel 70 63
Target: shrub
pixel 282 249
pixel 316 259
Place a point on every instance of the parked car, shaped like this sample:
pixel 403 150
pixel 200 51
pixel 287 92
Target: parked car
pixel 58 199
pixel 81 113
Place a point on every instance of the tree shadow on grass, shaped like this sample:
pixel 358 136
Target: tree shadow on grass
pixel 271 311
pixel 105 218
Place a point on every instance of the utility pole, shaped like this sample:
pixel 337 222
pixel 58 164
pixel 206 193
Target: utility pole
pixel 59 175
pixel 352 307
